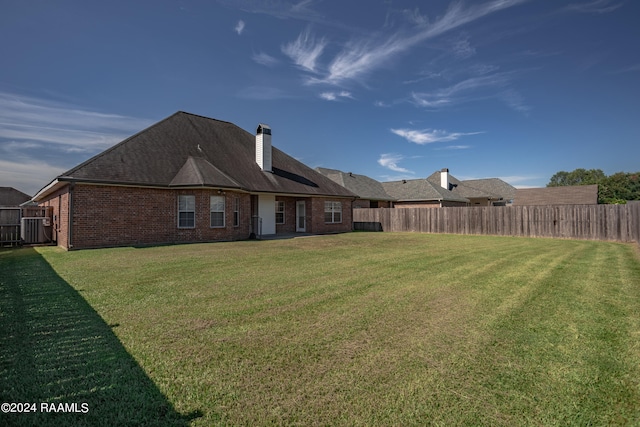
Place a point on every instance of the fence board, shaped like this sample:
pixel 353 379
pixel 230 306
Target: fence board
pixel 594 222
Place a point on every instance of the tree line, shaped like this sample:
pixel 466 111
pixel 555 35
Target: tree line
pixel 617 188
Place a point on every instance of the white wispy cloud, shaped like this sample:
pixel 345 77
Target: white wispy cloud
pixel 390 161
pixel 41 138
pixel 305 50
pixel 28 176
pixel 239 28
pixel 263 93
pixel 515 100
pixel 595 6
pixel 462 48
pixel 265 59
pixel 454 147
pixel 453 94
pixel 335 96
pixel 629 69
pixel 429 136
pixel 361 56
pixel 32 120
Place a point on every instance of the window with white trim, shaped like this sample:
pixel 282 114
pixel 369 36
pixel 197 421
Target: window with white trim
pixel 236 211
pixel 279 212
pixel 217 211
pixel 332 212
pixel 186 211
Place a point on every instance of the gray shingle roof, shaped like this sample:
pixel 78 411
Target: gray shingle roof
pixel 490 188
pixel 363 186
pixel 420 190
pixel 9 196
pixel 190 150
pixel 566 195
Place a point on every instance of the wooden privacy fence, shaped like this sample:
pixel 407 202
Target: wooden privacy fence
pixel 10 226
pixel 594 222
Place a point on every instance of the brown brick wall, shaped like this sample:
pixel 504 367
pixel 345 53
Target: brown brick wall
pixel 120 216
pixel 317 224
pixel 59 202
pixel 289 225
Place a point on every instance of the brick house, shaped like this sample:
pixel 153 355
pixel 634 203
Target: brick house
pixel 441 189
pixel 190 178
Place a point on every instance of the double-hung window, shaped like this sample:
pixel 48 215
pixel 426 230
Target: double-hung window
pixel 217 211
pixel 186 211
pixel 236 211
pixel 279 212
pixel 332 212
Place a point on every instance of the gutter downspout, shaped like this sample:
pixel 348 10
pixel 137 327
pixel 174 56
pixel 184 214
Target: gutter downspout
pixel 70 235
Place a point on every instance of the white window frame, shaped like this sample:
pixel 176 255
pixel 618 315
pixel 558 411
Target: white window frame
pixel 236 211
pixel 333 209
pixel 217 205
pixel 279 205
pixel 186 205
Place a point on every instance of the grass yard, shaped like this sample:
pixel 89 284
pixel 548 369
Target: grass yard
pixel 351 329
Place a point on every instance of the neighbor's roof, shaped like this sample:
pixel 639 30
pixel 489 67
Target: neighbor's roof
pixel 490 188
pixel 412 190
pixel 361 185
pixel 566 195
pixel 187 150
pixel 9 196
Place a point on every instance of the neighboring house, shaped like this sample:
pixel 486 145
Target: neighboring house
pixel 371 193
pixel 565 195
pixel 10 197
pixel 441 189
pixel 190 178
pixel 422 193
pixel 479 192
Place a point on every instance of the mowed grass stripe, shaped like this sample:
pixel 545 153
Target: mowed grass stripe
pixel 377 328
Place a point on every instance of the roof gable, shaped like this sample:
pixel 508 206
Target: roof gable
pixel 9 196
pixel 197 171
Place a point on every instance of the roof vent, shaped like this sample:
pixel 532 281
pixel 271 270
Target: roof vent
pixel 263 147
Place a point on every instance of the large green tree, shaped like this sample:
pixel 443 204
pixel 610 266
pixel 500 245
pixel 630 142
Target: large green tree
pixel 617 188
pixel 577 177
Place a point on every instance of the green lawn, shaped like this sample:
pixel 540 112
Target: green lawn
pixel 351 329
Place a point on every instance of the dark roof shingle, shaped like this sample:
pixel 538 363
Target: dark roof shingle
pixel 190 150
pixel 565 195
pixel 420 190
pixel 363 186
pixel 9 196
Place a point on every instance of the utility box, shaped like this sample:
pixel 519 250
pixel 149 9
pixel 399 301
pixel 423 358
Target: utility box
pixel 33 230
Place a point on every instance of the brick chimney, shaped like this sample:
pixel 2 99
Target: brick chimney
pixel 444 178
pixel 263 147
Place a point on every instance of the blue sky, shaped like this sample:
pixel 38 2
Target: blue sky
pixel 391 89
